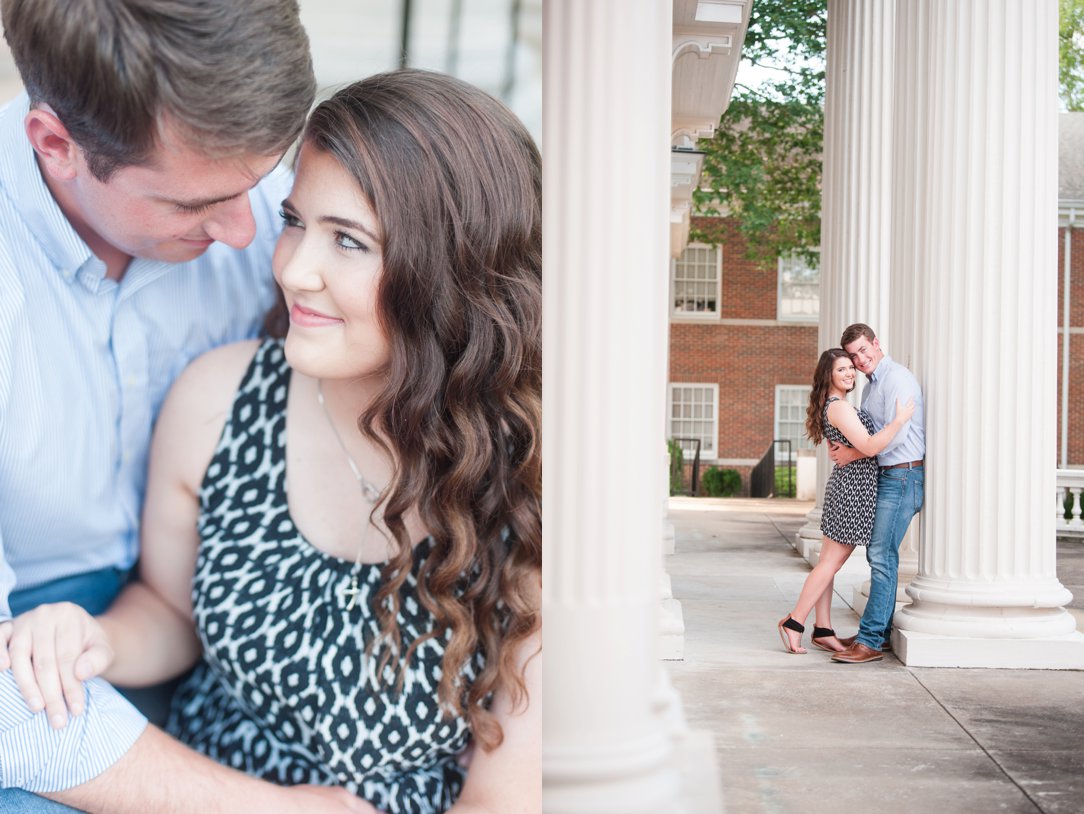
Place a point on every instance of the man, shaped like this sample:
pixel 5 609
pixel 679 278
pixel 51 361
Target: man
pixel 899 486
pixel 138 213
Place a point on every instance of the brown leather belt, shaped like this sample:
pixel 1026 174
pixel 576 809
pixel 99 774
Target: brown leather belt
pixel 908 465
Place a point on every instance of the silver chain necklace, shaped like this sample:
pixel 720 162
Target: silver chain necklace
pixel 368 491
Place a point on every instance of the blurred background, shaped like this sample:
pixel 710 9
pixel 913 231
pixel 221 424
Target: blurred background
pixel 494 44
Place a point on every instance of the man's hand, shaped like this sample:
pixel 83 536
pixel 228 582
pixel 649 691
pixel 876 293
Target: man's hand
pixel 51 651
pixel 841 454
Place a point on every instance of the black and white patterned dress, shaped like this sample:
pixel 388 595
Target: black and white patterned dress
pixel 288 688
pixel 850 496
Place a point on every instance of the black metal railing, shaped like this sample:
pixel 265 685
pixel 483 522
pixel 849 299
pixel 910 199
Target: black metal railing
pixel 763 477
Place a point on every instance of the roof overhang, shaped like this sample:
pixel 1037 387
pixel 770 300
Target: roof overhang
pixel 707 37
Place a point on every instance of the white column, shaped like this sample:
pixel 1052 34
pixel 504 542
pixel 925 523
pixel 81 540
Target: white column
pixel 983 138
pixel 607 741
pixel 856 211
pixel 904 299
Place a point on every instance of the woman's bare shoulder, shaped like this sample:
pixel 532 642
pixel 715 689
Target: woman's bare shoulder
pixel 196 408
pixel 841 406
pixel 220 368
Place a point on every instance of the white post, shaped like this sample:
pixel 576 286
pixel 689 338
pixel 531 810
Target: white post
pixel 983 136
pixel 606 738
pixel 857 205
pixel 808 538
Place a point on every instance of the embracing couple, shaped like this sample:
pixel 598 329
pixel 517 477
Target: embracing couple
pixel 338 520
pixel 875 488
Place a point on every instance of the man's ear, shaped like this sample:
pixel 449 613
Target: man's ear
pixel 57 152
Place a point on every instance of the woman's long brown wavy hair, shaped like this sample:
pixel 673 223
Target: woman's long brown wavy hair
pixel 455 181
pixel 822 380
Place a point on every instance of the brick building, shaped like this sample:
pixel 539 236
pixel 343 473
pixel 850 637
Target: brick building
pixel 743 338
pixel 1071 269
pixel 743 344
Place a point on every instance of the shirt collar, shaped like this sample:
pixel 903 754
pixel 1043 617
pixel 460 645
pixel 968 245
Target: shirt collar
pixel 882 368
pixel 21 180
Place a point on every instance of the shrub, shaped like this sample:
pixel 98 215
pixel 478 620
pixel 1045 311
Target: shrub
pixel 731 482
pixel 717 482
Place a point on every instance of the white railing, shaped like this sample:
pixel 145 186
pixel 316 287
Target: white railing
pixel 1070 481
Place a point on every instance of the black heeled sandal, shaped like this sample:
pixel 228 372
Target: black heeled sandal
pixel 797 627
pixel 822 633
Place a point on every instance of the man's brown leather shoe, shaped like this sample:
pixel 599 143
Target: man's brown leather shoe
pixel 847 641
pixel 858 653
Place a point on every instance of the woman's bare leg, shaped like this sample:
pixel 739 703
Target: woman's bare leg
pixel 818 585
pixel 822 608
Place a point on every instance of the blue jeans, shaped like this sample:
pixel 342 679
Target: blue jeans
pixel 93 592
pixel 17 801
pixel 900 493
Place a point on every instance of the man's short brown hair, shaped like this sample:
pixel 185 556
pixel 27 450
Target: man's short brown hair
pixel 230 77
pixel 853 332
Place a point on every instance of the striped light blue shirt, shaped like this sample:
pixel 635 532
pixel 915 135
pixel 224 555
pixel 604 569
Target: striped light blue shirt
pixel 86 361
pixel 38 758
pixel 84 365
pixel 891 381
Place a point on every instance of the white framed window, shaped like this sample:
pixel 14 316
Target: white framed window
pixel 693 412
pixel 696 281
pixel 799 290
pixel 791 401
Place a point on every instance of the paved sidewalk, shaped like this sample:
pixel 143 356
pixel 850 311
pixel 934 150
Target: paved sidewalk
pixel 803 735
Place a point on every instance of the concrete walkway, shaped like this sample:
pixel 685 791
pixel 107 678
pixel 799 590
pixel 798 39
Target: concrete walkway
pixel 802 735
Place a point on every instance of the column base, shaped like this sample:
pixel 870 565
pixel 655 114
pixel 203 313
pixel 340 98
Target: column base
pixel 930 650
pixel 696 761
pixel 671 631
pixel 809 534
pixel 627 780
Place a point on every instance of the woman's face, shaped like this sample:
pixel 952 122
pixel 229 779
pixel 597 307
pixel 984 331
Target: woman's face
pixel 843 374
pixel 328 263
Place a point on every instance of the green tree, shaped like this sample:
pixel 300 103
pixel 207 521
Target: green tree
pixel 763 166
pixel 1071 54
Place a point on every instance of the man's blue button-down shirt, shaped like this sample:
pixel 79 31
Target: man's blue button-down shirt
pixel 891 381
pixel 86 361
pixel 84 365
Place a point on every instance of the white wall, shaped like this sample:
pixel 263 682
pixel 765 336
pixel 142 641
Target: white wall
pixel 353 39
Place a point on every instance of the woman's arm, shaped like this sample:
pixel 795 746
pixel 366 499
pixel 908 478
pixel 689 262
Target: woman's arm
pixel 508 780
pixel 845 418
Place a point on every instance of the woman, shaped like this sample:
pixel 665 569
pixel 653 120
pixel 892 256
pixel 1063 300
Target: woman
pixel 346 523
pixel 850 496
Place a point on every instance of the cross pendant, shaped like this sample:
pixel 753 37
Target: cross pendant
pixel 352 592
